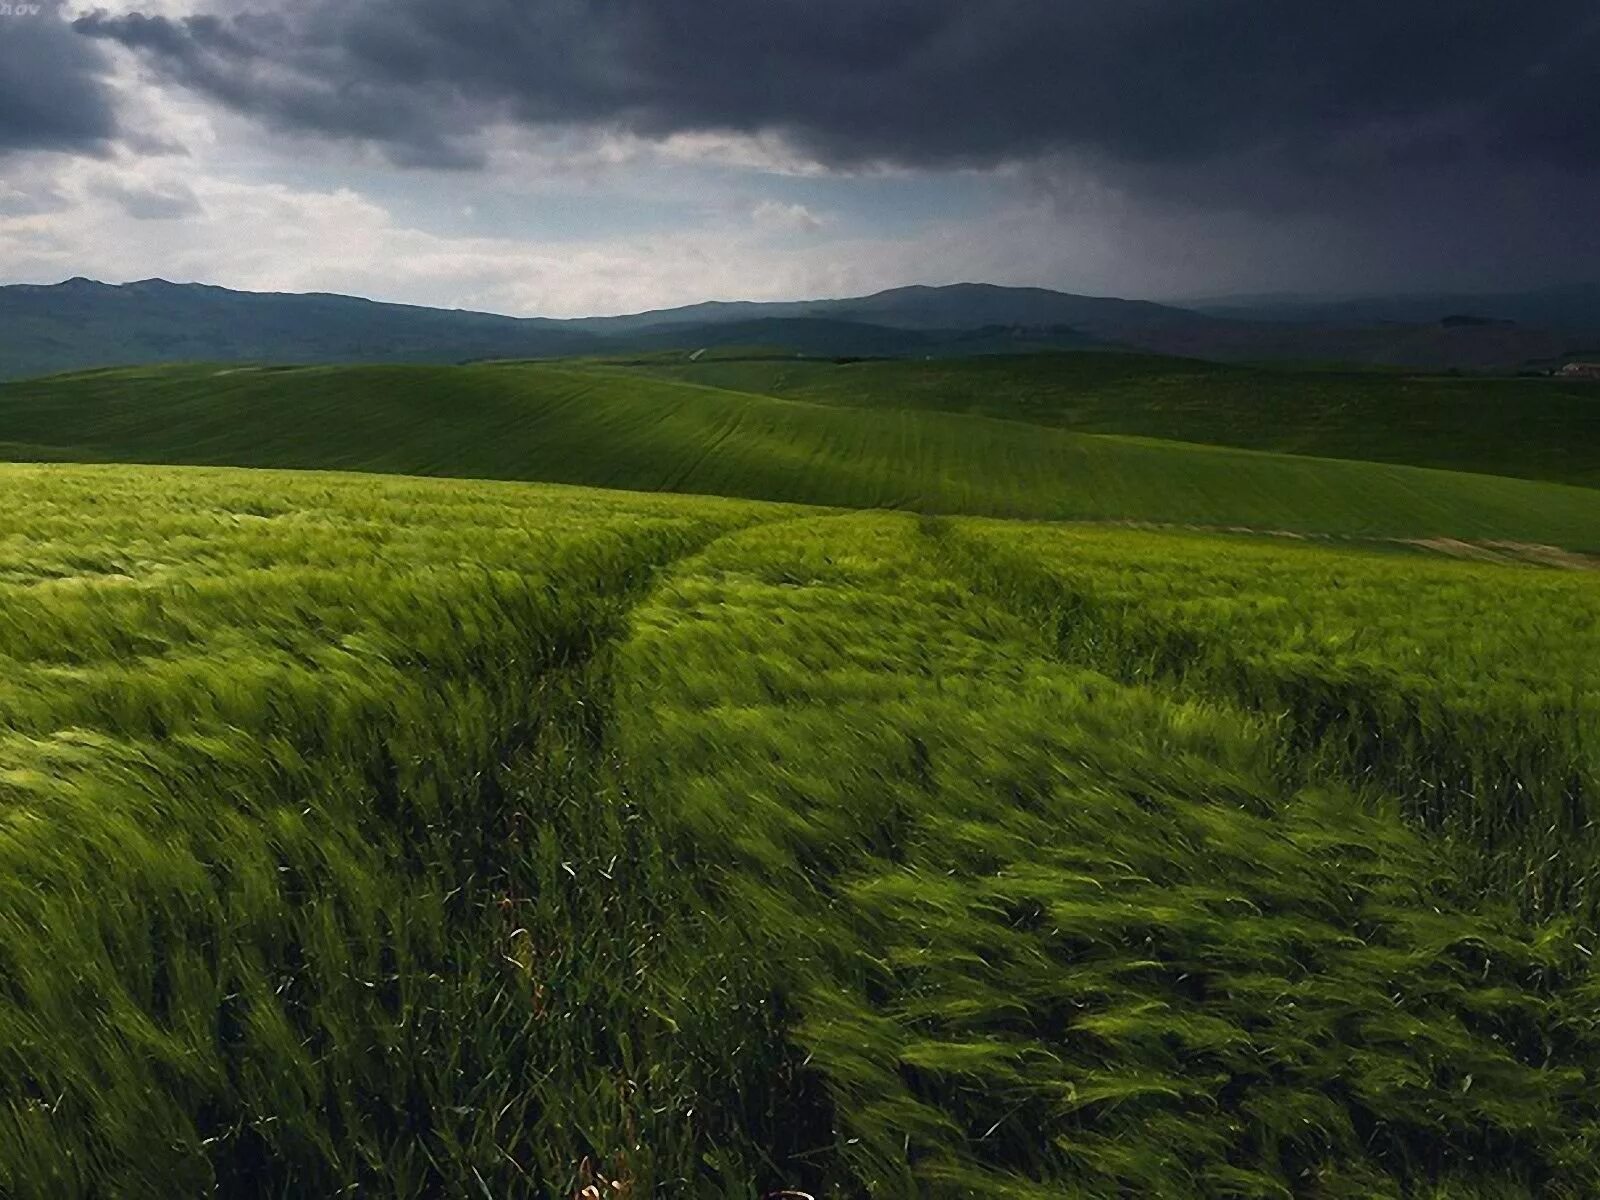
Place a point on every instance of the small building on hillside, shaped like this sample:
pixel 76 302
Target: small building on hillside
pixel 1580 370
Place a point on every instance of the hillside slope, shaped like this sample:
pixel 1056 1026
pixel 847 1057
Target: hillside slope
pixel 1527 428
pixel 84 323
pixel 1569 306
pixel 596 427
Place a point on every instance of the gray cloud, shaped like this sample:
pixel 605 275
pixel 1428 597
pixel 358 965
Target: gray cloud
pixel 151 203
pixel 53 94
pixel 1338 143
pixel 1145 83
pixel 277 68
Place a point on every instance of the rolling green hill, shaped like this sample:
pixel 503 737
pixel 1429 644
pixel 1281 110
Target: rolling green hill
pixel 603 427
pixel 1529 428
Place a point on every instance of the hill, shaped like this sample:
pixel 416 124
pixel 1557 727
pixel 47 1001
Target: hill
pixel 602 427
pixel 1528 428
pixel 828 337
pixel 81 323
pixel 1395 333
pixel 954 306
pixel 413 837
pixel 929 309
pixel 1573 307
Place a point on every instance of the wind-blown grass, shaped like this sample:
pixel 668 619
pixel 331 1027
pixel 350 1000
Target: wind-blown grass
pixel 426 837
pixel 259 798
pixel 1469 691
pixel 1043 934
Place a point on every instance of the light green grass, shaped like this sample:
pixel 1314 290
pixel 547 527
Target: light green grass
pixel 1043 934
pixel 596 427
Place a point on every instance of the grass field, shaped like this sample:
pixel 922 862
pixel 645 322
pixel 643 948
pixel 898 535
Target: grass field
pixel 597 427
pixel 1468 697
pixel 266 753
pixel 1045 933
pixel 363 833
pixel 1528 428
pixel 421 837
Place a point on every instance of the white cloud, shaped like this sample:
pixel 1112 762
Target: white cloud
pixel 785 218
pixel 273 237
pixel 168 201
pixel 198 194
pixel 768 153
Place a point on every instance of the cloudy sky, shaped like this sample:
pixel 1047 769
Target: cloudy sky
pixel 566 157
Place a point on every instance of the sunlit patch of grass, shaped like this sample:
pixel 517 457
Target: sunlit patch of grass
pixel 265 819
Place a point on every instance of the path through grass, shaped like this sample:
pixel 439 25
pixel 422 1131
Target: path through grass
pixel 421 837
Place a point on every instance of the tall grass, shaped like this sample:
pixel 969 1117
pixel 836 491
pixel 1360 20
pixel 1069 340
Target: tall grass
pixel 260 822
pixel 1042 933
pixel 1471 693
pixel 415 838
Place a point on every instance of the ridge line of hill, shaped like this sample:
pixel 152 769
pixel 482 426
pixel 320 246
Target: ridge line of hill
pixel 570 426
pixel 82 323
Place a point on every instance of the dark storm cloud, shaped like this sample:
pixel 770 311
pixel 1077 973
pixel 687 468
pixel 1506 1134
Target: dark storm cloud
pixel 52 95
pixel 1149 83
pixel 280 70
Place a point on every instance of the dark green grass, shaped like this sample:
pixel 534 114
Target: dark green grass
pixel 605 428
pixel 1527 428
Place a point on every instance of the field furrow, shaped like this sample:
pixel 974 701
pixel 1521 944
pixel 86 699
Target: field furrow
pixel 1031 931
pixel 260 820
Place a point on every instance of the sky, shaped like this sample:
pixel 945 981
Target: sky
pixel 574 157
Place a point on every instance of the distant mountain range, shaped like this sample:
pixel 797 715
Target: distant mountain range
pixel 82 323
pixel 1574 307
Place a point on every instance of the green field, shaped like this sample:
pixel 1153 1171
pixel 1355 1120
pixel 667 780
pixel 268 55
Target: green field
pixel 371 834
pixel 1529 428
pixel 593 426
